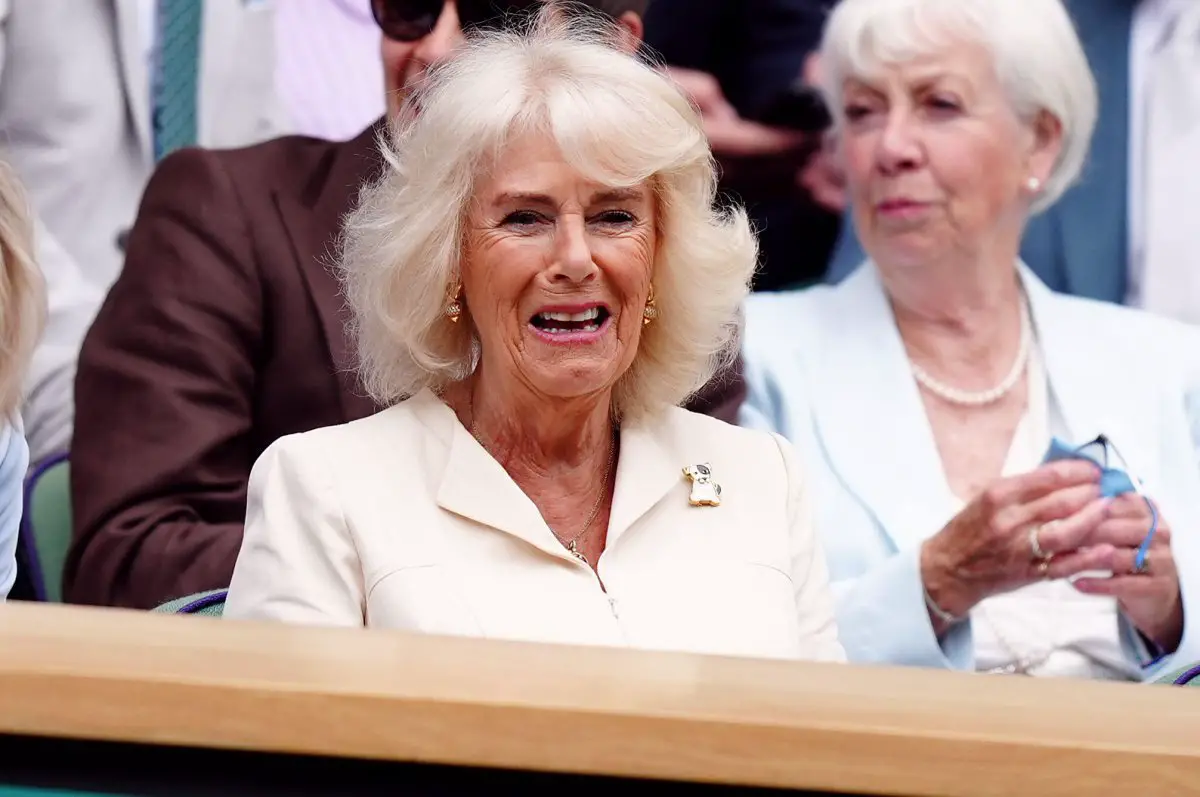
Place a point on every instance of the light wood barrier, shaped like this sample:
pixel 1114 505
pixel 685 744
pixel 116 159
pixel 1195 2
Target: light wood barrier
pixel 107 675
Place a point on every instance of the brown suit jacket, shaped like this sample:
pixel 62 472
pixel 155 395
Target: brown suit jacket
pixel 224 332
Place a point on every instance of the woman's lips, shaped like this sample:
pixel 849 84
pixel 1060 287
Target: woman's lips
pixel 573 337
pixel 901 208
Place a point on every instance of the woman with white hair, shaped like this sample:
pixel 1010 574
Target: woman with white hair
pixel 961 421
pixel 22 311
pixel 542 273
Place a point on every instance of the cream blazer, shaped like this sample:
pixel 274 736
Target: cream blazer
pixel 403 521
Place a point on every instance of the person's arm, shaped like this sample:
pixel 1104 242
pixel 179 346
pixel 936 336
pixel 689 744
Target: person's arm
pixel 810 571
pixel 14 461
pixel 298 563
pixel 165 398
pixel 885 619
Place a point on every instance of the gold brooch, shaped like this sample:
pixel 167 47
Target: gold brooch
pixel 705 491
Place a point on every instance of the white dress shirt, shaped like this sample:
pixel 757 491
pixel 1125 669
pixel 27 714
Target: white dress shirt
pixel 329 71
pixel 1152 22
pixel 403 520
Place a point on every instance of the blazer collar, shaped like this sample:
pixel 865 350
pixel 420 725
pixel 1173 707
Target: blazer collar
pixel 1091 400
pixel 475 486
pixel 313 218
pixel 868 414
pixel 871 422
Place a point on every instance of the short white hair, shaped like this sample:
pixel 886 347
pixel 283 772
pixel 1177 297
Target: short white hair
pixel 1033 44
pixel 618 121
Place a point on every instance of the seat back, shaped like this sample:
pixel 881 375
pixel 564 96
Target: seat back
pixel 210 603
pixel 45 532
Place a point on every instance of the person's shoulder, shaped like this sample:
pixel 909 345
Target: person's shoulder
pixel 773 305
pixel 1128 327
pixel 293 164
pixel 781 326
pixel 359 438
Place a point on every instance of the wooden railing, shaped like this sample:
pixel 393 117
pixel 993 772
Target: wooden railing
pixel 93 674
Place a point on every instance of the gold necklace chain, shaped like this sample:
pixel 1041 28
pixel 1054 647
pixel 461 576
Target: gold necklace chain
pixel 572 545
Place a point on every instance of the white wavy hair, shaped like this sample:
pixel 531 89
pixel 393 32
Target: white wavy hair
pixel 22 292
pixel 618 121
pixel 1033 45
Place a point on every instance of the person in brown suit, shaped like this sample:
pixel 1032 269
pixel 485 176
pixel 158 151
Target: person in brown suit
pixel 225 332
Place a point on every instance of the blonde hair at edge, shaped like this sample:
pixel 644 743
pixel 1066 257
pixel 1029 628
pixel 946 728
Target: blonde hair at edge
pixel 615 119
pixel 22 292
pixel 1033 44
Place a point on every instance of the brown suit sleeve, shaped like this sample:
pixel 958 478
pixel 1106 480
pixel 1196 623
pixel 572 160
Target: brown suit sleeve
pixel 722 396
pixel 164 399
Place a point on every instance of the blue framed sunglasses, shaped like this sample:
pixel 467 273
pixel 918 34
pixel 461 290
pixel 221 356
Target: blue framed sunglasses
pixel 1113 481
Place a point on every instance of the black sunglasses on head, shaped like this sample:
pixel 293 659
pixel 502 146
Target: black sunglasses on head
pixel 410 20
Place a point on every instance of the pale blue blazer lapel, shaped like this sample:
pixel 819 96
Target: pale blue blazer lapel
pixel 868 415
pixel 1087 389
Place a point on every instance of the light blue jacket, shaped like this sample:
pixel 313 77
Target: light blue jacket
pixel 827 369
pixel 14 461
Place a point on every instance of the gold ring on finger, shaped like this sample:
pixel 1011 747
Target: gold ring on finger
pixel 1043 568
pixel 1035 544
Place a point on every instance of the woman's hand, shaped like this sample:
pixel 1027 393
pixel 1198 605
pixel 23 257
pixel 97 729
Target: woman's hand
pixel 822 176
pixel 728 133
pixel 1149 598
pixel 989 547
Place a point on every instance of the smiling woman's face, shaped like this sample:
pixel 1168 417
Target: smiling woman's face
pixel 556 272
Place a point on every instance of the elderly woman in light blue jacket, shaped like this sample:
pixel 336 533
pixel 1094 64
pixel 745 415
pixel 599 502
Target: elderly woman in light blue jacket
pixel 21 314
pixel 944 396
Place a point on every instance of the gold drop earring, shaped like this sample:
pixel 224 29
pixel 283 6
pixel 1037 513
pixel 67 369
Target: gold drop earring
pixel 650 311
pixel 455 306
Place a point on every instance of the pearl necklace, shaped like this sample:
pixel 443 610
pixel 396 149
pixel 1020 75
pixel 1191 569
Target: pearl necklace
pixel 982 398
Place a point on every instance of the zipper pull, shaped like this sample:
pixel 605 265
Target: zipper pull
pixel 612 604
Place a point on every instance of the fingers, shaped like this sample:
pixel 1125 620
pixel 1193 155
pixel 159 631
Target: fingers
pixel 1035 484
pixel 1160 563
pixel 1125 587
pixel 735 136
pixel 728 133
pixel 1056 506
pixel 702 88
pixel 1126 533
pixel 1083 560
pixel 824 181
pixel 814 70
pixel 1130 505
